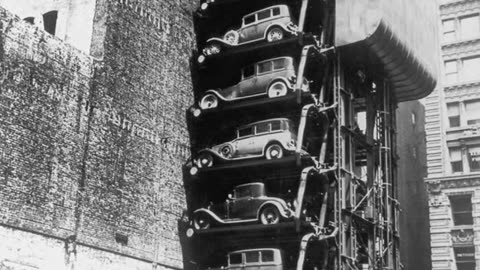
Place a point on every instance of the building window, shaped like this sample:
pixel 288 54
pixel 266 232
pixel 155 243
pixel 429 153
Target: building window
pixel 456 160
pixel 471 69
pixel 448 30
pixel 453 111
pixel 473 157
pixel 465 257
pixel 50 21
pixel 469 27
pixel 451 71
pixel 461 209
pixel 472 112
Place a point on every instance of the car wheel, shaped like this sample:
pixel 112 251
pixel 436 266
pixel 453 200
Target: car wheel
pixel 275 33
pixel 277 89
pixel 269 215
pixel 205 160
pixel 274 151
pixel 201 221
pixel 209 101
pixel 212 48
pixel 231 37
pixel 226 151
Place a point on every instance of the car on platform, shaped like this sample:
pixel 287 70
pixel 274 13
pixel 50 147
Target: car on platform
pixel 248 203
pixel 270 78
pixel 255 259
pixel 271 139
pixel 270 24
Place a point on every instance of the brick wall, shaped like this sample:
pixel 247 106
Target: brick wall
pixel 94 148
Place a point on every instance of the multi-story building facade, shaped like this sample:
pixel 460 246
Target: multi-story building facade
pixel 453 141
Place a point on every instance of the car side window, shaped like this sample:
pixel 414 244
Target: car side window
pixel 279 64
pixel 243 192
pixel 263 128
pixel 262 15
pixel 252 257
pixel 264 67
pixel 276 126
pixel 248 71
pixel 236 258
pixel 267 256
pixel 249 19
pixel 245 132
pixel 276 11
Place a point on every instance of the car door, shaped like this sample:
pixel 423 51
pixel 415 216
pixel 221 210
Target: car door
pixel 245 141
pixel 264 76
pixel 249 28
pixel 249 81
pixel 241 206
pixel 264 19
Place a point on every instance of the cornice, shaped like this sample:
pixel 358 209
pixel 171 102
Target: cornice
pixel 437 184
pixel 462 91
pixel 458 7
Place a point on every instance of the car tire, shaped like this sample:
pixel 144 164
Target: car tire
pixel 209 101
pixel 205 160
pixel 277 89
pixel 227 151
pixel 231 37
pixel 275 33
pixel 269 215
pixel 201 221
pixel 274 151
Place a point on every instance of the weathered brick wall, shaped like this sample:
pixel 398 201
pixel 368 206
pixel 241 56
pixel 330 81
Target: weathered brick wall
pixel 95 148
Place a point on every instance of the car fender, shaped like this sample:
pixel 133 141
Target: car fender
pixel 210 213
pixel 215 92
pixel 281 209
pixel 281 25
pixel 208 150
pixel 283 144
pixel 220 40
pixel 280 78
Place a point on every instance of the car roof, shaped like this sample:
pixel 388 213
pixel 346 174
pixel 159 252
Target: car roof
pixel 253 249
pixel 264 121
pixel 250 184
pixel 280 6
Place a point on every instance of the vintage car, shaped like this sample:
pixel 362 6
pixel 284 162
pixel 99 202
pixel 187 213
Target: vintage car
pixel 273 78
pixel 260 258
pixel 272 139
pixel 247 204
pixel 271 24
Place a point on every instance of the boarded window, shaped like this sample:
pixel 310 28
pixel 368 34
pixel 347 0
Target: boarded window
pixel 451 71
pixel 448 30
pixel 465 257
pixel 470 27
pixel 50 21
pixel 471 69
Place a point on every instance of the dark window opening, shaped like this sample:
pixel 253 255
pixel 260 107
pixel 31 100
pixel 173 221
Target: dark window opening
pixel 248 71
pixel 50 21
pixel 121 239
pixel 465 257
pixel 267 256
pixel 276 11
pixel 457 166
pixel 245 132
pixel 454 121
pixel 236 258
pixel 462 210
pixel 249 19
pixel 30 20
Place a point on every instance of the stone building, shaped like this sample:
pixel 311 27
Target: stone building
pixel 453 141
pixel 92 132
